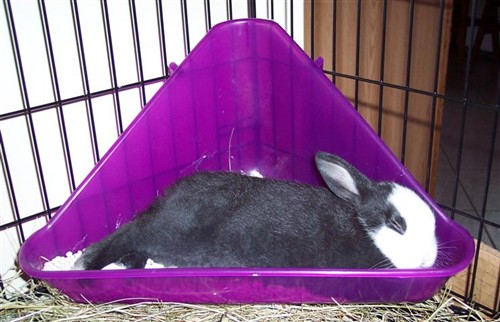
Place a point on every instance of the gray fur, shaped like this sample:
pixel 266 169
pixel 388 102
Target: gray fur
pixel 222 219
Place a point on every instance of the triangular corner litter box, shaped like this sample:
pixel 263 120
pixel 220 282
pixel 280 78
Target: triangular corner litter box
pixel 247 98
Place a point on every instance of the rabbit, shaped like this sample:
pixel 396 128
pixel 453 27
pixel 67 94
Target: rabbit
pixel 224 219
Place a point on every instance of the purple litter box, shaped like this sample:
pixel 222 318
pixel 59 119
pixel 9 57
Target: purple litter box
pixel 247 98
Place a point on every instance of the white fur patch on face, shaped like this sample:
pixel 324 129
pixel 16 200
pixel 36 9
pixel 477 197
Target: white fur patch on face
pixel 417 247
pixel 342 176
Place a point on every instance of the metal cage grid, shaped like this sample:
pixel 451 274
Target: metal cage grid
pixel 28 110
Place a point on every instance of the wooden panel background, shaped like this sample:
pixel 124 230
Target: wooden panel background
pixel 486 283
pixel 339 52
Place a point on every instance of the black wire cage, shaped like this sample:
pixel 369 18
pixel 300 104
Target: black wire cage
pixel 420 72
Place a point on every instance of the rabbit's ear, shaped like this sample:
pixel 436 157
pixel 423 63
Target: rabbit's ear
pixel 344 180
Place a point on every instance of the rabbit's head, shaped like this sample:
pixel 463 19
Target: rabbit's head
pixel 399 222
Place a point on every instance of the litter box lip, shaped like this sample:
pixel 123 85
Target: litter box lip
pixel 244 21
pixel 228 272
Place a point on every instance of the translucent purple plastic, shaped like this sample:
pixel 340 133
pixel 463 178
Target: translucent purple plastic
pixel 246 98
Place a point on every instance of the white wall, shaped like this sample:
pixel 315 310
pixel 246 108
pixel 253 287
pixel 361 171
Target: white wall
pixel 18 133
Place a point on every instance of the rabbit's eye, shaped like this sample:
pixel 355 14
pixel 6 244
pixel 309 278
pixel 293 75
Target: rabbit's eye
pixel 398 224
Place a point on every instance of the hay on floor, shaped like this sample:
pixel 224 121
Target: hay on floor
pixel 44 303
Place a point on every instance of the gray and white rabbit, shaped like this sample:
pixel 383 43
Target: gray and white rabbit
pixel 223 219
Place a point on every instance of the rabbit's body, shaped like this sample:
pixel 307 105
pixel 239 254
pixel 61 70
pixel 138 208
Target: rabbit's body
pixel 222 219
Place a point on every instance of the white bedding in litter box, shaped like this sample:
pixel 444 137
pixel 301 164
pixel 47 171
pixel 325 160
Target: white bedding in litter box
pixel 65 263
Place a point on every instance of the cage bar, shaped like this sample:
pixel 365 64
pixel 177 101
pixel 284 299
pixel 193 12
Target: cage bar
pixel 29 118
pixel 86 83
pixel 382 70
pixel 407 82
pixel 434 98
pixel 137 45
pixel 112 65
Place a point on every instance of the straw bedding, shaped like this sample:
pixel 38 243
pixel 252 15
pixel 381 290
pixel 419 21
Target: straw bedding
pixel 43 303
